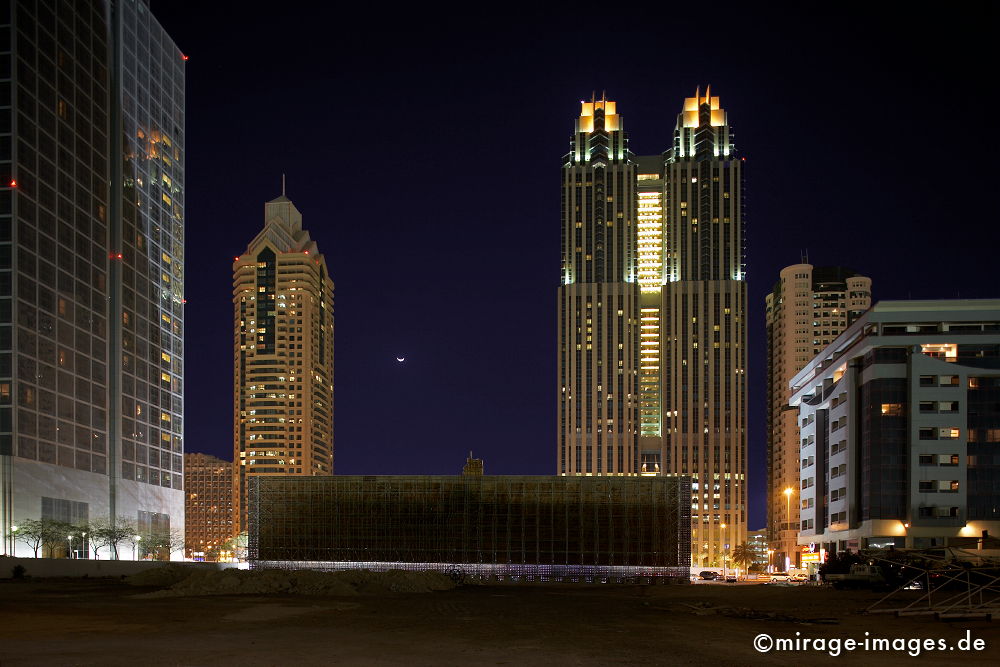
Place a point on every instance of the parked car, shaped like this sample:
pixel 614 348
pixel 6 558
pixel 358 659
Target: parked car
pixel 708 575
pixel 799 576
pixel 730 578
pixel 779 576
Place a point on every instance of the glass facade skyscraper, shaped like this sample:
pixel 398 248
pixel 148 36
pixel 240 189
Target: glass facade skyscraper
pixel 91 265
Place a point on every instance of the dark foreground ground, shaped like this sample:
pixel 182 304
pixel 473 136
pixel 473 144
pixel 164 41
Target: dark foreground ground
pixel 101 622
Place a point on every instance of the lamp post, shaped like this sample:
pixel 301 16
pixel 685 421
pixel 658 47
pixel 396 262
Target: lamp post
pixel 788 525
pixel 770 560
pixel 723 545
pixel 13 542
pixel 135 547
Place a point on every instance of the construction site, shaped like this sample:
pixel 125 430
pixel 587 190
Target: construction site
pixel 480 527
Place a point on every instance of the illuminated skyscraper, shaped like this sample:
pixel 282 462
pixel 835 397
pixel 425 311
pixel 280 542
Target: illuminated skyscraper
pixel 704 325
pixel 91 266
pixel 652 354
pixel 808 307
pixel 598 298
pixel 283 355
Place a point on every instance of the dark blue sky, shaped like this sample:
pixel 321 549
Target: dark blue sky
pixel 424 152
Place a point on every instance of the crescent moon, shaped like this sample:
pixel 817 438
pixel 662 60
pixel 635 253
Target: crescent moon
pixel 400 358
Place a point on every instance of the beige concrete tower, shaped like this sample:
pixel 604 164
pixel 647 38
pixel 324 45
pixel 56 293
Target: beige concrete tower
pixel 703 327
pixel 597 299
pixel 282 354
pixel 807 309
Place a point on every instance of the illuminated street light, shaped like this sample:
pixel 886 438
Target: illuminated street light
pixel 723 526
pixel 788 518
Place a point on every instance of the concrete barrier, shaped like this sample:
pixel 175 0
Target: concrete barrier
pixel 65 567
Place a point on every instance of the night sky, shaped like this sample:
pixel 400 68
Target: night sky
pixel 424 151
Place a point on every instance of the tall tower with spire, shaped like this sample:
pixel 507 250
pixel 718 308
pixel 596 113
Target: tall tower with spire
pixel 282 355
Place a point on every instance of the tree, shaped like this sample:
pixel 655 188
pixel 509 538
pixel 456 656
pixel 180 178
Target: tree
pixel 161 545
pixel 237 546
pixel 744 555
pixel 31 532
pixel 108 533
pixel 45 534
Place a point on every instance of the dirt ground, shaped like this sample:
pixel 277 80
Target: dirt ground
pixel 107 622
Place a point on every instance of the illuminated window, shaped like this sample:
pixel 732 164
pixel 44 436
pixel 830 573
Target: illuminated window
pixel 892 410
pixel 945 351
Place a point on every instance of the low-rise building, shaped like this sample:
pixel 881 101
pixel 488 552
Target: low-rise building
pixel 899 421
pixel 208 506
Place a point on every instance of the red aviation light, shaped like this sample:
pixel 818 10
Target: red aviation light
pixel 306 252
pixel 13 183
pixel 183 57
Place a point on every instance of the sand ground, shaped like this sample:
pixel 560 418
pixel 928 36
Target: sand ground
pixel 102 622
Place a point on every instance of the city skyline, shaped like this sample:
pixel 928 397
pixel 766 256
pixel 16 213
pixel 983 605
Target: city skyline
pixel 436 269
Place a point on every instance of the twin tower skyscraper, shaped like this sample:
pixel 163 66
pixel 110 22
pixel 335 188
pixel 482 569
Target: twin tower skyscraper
pixel 652 314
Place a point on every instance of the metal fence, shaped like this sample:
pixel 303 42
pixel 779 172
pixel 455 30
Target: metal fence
pixel 485 527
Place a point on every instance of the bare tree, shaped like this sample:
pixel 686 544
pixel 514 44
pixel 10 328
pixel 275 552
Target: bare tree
pixel 163 544
pixel 30 531
pixel 108 533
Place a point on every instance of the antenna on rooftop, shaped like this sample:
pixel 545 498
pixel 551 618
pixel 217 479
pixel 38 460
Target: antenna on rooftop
pixel 282 185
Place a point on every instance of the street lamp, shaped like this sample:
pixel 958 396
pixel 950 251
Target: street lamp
pixel 788 518
pixel 723 526
pixel 135 547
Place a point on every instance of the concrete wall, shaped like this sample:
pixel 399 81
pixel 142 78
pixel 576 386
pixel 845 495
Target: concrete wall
pixel 64 567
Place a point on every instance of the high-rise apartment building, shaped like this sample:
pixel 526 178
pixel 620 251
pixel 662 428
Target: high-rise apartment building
pixel 283 355
pixel 91 266
pixel 208 506
pixel 807 309
pixel 900 422
pixel 652 347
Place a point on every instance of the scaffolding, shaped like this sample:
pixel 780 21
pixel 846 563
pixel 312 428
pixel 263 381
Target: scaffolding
pixel 955 584
pixel 563 528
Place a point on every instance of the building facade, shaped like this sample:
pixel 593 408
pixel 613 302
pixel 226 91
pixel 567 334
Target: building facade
pixel 91 266
pixel 208 506
pixel 282 354
pixel 652 327
pixel 806 310
pixel 899 422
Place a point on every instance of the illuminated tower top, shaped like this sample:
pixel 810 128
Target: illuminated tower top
pixel 599 136
pixel 702 129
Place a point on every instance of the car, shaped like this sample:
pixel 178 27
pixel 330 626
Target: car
pixel 763 576
pixel 730 578
pixel 708 575
pixel 800 577
pixel 779 576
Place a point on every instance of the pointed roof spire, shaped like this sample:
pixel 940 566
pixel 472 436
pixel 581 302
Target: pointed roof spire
pixel 708 94
pixel 697 95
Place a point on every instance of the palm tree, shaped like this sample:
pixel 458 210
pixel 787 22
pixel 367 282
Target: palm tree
pixel 744 555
